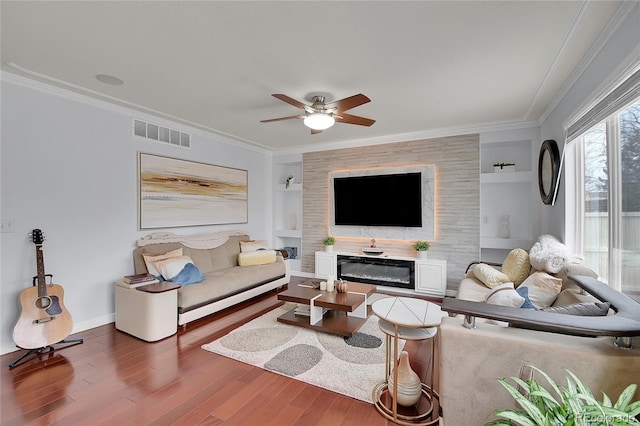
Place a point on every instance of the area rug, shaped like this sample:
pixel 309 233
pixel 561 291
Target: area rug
pixel 350 366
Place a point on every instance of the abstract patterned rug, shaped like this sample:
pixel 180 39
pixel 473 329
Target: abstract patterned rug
pixel 350 366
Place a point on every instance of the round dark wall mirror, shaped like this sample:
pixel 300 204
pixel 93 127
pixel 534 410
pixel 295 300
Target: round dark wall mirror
pixel 548 170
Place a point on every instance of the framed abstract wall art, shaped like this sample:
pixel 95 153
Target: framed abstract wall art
pixel 173 192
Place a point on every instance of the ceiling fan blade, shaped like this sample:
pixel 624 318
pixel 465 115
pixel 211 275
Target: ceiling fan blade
pixel 315 132
pixel 348 103
pixel 290 101
pixel 291 117
pixel 354 119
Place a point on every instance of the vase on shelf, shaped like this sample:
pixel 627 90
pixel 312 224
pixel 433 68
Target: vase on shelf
pixel 422 254
pixel 409 385
pixel 293 221
pixel 505 227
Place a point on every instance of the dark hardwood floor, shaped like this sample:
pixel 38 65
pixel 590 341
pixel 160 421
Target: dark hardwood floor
pixel 116 379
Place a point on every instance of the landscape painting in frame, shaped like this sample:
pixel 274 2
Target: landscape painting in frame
pixel 175 192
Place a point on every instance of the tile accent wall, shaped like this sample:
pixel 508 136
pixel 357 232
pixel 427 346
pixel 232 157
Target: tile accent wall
pixel 457 198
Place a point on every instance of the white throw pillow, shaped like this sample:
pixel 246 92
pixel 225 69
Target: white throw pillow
pixel 505 295
pixel 150 260
pixel 543 289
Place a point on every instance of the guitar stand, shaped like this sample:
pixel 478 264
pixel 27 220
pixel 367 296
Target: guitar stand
pixel 32 353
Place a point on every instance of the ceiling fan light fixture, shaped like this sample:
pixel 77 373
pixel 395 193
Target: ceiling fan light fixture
pixel 319 121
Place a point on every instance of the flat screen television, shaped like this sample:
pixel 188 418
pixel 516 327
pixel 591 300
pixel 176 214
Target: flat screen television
pixel 378 200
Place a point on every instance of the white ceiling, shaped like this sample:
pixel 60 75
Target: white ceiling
pixel 428 66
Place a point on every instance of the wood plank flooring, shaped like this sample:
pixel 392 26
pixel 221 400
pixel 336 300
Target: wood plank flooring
pixel 116 379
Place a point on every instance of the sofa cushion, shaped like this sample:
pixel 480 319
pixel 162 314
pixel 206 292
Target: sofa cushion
pixel 584 309
pixel 260 257
pixel 151 259
pixel 505 295
pixel 574 269
pixel 543 289
pixel 226 256
pixel 572 296
pixel 201 258
pixel 490 276
pixel 220 284
pixel 472 289
pixel 516 266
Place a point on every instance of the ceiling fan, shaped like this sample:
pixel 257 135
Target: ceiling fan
pixel 320 115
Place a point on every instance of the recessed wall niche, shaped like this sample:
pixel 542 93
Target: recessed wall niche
pixel 422 194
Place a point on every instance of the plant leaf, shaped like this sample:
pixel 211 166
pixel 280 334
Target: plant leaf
pixel 583 389
pixel 500 423
pixel 625 397
pixel 633 408
pixel 617 416
pixel 517 416
pixel 548 379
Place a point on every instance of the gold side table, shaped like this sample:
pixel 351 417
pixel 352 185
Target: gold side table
pixel 408 319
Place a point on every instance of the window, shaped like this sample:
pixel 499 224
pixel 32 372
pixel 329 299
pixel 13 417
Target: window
pixel 608 199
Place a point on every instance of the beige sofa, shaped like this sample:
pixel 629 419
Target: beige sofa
pixel 472 359
pixel 226 284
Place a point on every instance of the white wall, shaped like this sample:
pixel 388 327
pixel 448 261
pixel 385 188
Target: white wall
pixel 69 167
pixel 620 50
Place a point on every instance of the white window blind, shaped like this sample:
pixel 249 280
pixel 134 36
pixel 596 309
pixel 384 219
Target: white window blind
pixel 620 97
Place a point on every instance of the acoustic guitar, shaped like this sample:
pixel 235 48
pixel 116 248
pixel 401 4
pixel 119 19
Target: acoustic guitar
pixel 44 320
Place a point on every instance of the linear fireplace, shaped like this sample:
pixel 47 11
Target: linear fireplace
pixel 376 270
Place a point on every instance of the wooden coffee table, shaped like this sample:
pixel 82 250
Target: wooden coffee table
pixel 345 312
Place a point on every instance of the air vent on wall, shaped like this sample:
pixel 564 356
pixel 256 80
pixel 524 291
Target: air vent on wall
pixel 161 134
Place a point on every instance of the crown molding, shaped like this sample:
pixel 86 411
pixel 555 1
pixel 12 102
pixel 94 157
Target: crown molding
pixel 412 136
pixel 625 8
pixel 33 80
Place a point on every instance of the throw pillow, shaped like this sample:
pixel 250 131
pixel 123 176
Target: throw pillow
pixel 490 276
pixel 249 246
pixel 260 257
pixel 584 309
pixel 524 292
pixel 543 289
pixel 505 295
pixel 516 266
pixel 179 270
pixel 150 260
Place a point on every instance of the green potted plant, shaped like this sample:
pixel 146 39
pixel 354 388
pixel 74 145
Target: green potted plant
pixel 328 243
pixel 421 247
pixel 573 404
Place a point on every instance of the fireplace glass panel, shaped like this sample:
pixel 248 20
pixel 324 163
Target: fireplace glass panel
pixel 379 271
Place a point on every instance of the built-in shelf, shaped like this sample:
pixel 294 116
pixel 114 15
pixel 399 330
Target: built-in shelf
pixel 506 177
pixel 287 206
pixel 288 233
pixel 292 187
pixel 507 199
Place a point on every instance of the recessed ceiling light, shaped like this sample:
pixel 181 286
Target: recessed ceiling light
pixel 109 79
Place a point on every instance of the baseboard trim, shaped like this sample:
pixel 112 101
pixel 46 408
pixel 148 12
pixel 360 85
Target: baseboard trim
pixel 77 328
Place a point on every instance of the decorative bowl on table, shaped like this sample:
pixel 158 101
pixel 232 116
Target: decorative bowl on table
pixel 374 251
